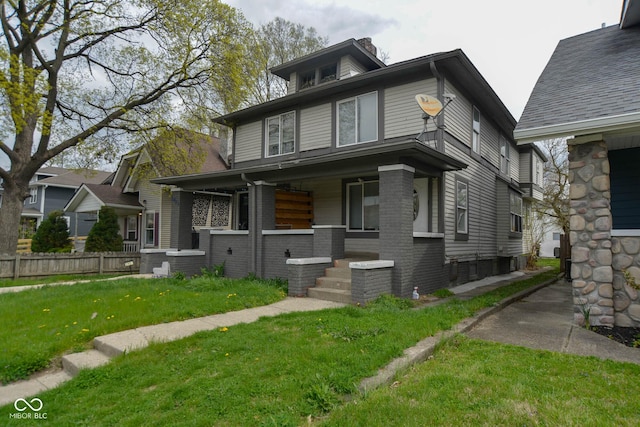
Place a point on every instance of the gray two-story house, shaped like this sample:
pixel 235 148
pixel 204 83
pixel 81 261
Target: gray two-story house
pixel 347 165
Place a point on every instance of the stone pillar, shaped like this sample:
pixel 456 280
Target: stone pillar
pixel 396 224
pixel 590 235
pixel 262 216
pixel 181 218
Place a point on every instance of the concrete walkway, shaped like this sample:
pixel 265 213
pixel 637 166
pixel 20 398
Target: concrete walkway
pixel 108 346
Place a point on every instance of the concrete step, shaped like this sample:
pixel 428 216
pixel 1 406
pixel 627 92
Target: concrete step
pixel 333 283
pixel 327 294
pixel 73 363
pixel 344 263
pixel 344 273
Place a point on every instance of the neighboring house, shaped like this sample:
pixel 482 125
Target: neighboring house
pixel 143 208
pixel 50 189
pixel 345 165
pixel 590 90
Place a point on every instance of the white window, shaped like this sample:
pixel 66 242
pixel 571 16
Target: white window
pixel 462 208
pixel 33 195
pixel 358 119
pixel 363 206
pixel 132 228
pixel 150 229
pixel 281 134
pixel 556 236
pixel 505 158
pixel 515 206
pixel 475 142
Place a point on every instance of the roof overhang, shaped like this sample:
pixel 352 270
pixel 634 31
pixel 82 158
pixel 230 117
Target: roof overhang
pixel 630 15
pixel 84 193
pixel 608 124
pixel 355 161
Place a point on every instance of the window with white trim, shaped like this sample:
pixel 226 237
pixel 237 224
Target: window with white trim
pixel 475 139
pixel 358 119
pixel 363 206
pixel 505 159
pixel 132 228
pixel 515 207
pixel 280 134
pixel 33 195
pixel 462 207
pixel 150 229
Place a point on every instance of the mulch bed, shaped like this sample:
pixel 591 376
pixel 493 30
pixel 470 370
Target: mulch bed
pixel 627 336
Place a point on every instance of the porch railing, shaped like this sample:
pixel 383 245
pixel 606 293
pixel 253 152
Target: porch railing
pixel 130 246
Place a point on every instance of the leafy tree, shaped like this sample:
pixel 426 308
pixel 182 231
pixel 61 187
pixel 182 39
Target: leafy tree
pixel 277 42
pixel 52 235
pixel 78 75
pixel 105 236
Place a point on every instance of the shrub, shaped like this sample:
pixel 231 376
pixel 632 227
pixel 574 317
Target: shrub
pixel 52 235
pixel 105 236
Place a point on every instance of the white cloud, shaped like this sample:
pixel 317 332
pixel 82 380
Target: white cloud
pixel 508 41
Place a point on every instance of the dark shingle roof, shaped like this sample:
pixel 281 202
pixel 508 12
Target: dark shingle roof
pixel 73 178
pixel 111 196
pixel 589 76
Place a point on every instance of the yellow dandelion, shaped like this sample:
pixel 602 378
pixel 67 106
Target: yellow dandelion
pixel 225 329
pixel 85 330
pixel 75 323
pixel 46 310
pixel 137 299
pixel 58 334
pixel 126 296
pixel 41 326
pixel 226 354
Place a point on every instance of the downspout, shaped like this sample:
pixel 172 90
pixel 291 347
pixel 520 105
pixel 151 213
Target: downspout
pixel 440 96
pixel 440 146
pixel 253 237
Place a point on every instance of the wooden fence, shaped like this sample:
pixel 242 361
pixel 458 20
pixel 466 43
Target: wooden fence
pixel 51 264
pixel 24 245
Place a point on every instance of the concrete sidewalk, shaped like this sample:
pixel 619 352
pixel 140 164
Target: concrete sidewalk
pixel 108 346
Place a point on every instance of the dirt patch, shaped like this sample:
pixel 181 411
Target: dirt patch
pixel 627 336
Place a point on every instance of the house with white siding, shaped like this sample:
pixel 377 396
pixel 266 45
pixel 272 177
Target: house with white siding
pixel 346 187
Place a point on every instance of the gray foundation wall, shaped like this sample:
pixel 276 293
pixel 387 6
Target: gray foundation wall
pixel 236 263
pixel 274 248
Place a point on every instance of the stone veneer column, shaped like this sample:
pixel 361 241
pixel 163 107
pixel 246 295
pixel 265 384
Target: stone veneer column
pixel 396 224
pixel 262 216
pixel 181 218
pixel 590 223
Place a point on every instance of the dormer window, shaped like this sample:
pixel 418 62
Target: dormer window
pixel 318 76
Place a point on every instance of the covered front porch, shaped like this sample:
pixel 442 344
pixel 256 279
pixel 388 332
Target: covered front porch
pixel 386 204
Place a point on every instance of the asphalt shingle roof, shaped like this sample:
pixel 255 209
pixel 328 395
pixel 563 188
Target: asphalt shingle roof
pixel 114 195
pixel 589 76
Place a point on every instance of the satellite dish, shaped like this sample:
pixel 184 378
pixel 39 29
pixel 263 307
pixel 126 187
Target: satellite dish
pixel 429 104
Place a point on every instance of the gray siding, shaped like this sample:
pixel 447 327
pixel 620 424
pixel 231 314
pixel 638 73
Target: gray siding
pixel 165 220
pixel 457 117
pixel 508 245
pixel 315 127
pixel 248 142
pixel 482 216
pixel 490 143
pixel 403 116
pixel 349 66
pixel 525 167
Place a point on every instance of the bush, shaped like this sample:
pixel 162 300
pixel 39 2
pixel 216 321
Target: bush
pixel 105 236
pixel 52 235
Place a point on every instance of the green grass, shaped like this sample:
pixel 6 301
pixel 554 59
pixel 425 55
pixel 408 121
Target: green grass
pixel 470 382
pixel 45 323
pixel 548 262
pixel 276 371
pixel 5 283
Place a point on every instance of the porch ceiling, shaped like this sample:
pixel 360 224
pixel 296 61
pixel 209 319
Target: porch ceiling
pixel 363 160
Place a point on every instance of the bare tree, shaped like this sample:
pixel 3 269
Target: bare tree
pixel 555 203
pixel 81 73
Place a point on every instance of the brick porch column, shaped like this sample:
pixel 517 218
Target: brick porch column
pixel 181 218
pixel 396 224
pixel 262 216
pixel 590 223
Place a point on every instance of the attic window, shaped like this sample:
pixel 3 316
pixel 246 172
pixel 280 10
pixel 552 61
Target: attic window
pixel 329 73
pixel 307 79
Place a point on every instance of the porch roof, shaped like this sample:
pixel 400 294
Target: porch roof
pixel 104 195
pixel 359 160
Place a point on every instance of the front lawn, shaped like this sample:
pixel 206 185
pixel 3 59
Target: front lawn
pixel 43 324
pixel 472 382
pixel 273 372
pixel 27 281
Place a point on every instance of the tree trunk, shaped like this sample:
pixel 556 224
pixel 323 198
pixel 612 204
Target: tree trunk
pixel 10 213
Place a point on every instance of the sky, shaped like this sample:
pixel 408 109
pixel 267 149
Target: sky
pixel 508 41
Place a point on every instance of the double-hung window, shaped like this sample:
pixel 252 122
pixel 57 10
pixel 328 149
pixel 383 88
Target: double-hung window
pixel 150 237
pixel 358 119
pixel 475 139
pixel 33 195
pixel 505 159
pixel 281 134
pixel 515 206
pixel 363 200
pixel 462 208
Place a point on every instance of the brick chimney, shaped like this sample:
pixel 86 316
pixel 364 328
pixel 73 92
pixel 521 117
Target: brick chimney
pixel 366 43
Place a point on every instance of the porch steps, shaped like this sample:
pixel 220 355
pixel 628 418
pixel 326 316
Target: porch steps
pixel 335 285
